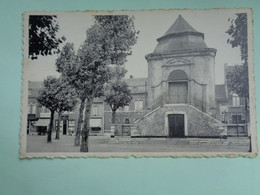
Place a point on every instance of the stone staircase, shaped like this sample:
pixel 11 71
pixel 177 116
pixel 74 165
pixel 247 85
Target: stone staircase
pixel 200 124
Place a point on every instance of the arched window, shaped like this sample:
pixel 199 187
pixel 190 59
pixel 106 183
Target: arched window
pixel 178 87
pixel 177 75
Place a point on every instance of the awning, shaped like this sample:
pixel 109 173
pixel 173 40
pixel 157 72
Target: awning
pixel 31 117
pixel 42 122
pixel 95 122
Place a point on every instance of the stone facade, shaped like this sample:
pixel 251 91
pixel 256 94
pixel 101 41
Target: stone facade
pixel 198 63
pixel 181 83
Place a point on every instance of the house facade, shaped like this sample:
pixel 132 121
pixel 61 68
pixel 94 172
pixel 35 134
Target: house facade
pixel 38 117
pixel 236 111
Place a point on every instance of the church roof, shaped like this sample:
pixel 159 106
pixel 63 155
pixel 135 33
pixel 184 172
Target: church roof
pixel 180 36
pixel 180 25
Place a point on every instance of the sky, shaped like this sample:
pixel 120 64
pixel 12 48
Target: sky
pixel 152 25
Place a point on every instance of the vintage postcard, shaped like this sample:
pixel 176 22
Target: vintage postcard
pixel 152 83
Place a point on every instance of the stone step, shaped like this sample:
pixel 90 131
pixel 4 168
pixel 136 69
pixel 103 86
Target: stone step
pixel 188 141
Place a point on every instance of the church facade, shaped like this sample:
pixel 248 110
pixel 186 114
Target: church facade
pixel 180 87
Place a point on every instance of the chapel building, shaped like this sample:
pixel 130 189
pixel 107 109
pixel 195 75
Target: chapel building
pixel 181 86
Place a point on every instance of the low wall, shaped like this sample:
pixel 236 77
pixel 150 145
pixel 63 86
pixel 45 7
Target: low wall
pixel 121 117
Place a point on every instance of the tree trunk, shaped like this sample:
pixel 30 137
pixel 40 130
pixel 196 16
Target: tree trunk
pixel 58 126
pixel 50 128
pixel 113 117
pixel 78 131
pixel 86 126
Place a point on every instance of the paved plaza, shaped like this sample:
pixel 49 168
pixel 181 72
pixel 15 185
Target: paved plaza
pixel 37 143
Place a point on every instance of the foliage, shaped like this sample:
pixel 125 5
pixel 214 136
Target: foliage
pixel 109 41
pixel 57 96
pixel 238 34
pixel 118 35
pixel 47 94
pixel 65 63
pixel 237 80
pixel 91 75
pixel 117 94
pixel 66 97
pixel 43 39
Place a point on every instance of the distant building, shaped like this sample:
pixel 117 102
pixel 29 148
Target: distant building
pixel 137 108
pixel 221 92
pixel 33 106
pixel 38 117
pixel 236 115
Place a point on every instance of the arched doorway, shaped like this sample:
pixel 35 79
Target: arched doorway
pixel 178 87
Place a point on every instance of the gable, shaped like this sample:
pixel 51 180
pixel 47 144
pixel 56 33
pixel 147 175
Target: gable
pixel 174 62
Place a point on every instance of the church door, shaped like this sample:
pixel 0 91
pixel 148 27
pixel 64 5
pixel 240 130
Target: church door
pixel 178 92
pixel 176 125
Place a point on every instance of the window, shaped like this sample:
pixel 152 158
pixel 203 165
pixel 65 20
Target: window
pixel 95 124
pixel 235 100
pixel 68 112
pixel 71 125
pixel 56 124
pixel 139 104
pixel 126 108
pixel 44 110
pixel 41 109
pixel 47 110
pixel 95 111
pixel 33 109
pixel 223 109
pixel 236 119
pixel 30 92
pixel 127 121
pixel 30 109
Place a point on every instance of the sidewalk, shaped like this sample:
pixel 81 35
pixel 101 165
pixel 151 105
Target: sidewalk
pixel 37 143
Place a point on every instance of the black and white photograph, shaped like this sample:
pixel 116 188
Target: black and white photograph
pixel 152 83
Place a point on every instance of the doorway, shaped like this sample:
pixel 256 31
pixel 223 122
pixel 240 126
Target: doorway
pixel 176 125
pixel 64 127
